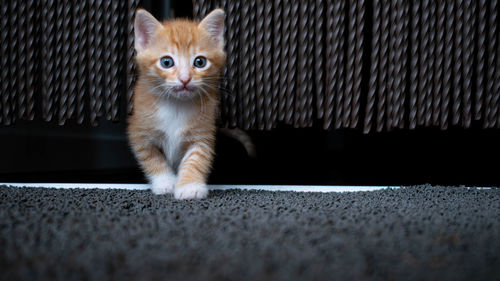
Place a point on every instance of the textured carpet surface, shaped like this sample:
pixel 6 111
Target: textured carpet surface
pixel 414 233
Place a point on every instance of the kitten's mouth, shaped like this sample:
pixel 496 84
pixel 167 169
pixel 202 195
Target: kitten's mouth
pixel 183 89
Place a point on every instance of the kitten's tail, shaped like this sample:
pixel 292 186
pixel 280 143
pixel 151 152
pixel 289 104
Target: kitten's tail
pixel 242 137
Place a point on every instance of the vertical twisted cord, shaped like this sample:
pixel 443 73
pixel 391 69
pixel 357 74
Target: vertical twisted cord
pixel 99 60
pixel 480 72
pixel 233 16
pixel 252 114
pixel 75 55
pixel 32 69
pixel 82 60
pixel 92 57
pixel 457 63
pixel 310 63
pixel 330 64
pixel 204 9
pixel 58 60
pixel 22 55
pixel 268 67
pixel 122 69
pixel 399 63
pixel 108 67
pixel 115 64
pixel 431 93
pixel 301 99
pixel 13 69
pixel 339 36
pixel 358 62
pixel 48 33
pixel 292 60
pixel 244 67
pixel 467 60
pixel 438 65
pixel 65 62
pixel 404 63
pixel 374 69
pixel 4 60
pixel 392 83
pixel 130 52
pixel 223 84
pixel 261 101
pixel 448 61
pixel 285 35
pixel 383 63
pixel 492 45
pixel 235 61
pixel 276 61
pixel 496 86
pixel 349 67
pixel 318 57
pixel 423 88
pixel 196 9
pixel 414 63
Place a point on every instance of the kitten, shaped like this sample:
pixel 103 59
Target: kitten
pixel 172 127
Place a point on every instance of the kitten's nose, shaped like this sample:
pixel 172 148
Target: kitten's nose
pixel 185 80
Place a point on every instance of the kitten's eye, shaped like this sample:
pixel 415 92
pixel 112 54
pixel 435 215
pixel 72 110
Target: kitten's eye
pixel 200 62
pixel 166 62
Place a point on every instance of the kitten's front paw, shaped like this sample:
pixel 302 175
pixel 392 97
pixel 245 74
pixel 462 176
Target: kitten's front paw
pixel 164 183
pixel 191 191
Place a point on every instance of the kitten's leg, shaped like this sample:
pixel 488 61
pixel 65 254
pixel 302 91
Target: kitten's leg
pixel 155 166
pixel 193 172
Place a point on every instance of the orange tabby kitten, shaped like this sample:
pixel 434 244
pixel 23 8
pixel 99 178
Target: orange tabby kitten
pixel 172 128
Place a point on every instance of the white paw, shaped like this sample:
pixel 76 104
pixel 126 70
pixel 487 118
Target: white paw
pixel 164 183
pixel 191 191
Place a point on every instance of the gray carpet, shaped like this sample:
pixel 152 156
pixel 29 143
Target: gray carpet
pixel 414 233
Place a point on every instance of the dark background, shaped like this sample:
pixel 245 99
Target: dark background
pixel 45 152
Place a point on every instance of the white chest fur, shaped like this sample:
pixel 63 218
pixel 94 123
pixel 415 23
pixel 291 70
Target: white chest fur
pixel 172 119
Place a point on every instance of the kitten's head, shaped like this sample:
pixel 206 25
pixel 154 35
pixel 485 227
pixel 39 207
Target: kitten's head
pixel 180 58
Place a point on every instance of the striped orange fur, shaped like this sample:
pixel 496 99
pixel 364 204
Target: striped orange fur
pixel 172 127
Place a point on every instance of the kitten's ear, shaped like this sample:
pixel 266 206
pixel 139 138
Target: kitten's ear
pixel 213 23
pixel 145 26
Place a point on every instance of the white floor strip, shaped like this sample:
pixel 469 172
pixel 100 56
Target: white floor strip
pixel 128 186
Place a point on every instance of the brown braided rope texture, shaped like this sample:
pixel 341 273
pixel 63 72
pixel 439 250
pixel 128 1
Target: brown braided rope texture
pixel 32 68
pixel 432 63
pixel 61 57
pixel 349 66
pixel 438 63
pixel 358 63
pixel 383 66
pixel 4 75
pixel 261 80
pixel 22 62
pixel 130 66
pixel 467 61
pixel 267 64
pixel 481 56
pixel 457 64
pixel 495 116
pixel 48 13
pixel 339 58
pixel 13 59
pixel 276 51
pixel 319 75
pixel 301 94
pixel 331 52
pixel 65 41
pixel 491 107
pixel 374 69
